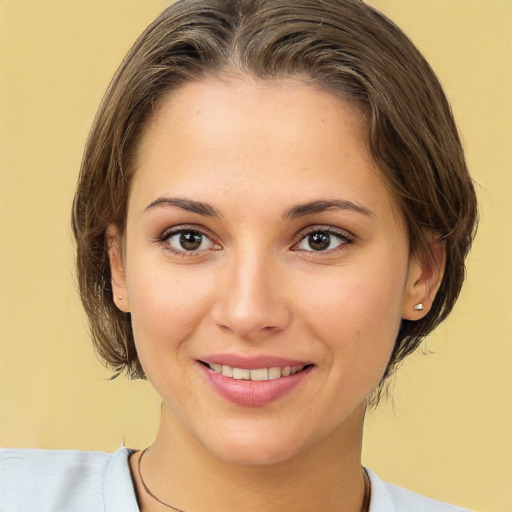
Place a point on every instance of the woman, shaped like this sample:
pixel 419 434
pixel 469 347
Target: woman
pixel 273 210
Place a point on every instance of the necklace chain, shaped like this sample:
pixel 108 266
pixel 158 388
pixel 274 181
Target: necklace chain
pixel 364 508
pixel 147 489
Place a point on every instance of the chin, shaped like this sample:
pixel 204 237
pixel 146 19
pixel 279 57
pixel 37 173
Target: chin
pixel 256 450
pixel 255 455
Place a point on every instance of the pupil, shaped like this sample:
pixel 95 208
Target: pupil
pixel 190 240
pixel 319 241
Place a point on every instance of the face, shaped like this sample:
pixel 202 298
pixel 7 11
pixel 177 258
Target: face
pixel 264 264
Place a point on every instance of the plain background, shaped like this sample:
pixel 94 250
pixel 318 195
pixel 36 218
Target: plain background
pixel 448 433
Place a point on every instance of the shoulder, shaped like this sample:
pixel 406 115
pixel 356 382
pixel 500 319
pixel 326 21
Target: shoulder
pixel 392 498
pixel 65 480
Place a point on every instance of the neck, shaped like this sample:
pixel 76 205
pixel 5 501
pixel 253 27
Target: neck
pixel 324 476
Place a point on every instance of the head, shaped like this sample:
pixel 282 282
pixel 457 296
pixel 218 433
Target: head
pixel 341 47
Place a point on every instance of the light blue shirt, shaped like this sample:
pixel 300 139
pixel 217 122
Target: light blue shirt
pixel 79 481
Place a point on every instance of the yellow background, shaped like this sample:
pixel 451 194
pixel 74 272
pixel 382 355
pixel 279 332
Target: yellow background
pixel 449 433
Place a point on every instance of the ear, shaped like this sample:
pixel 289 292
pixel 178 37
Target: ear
pixel 118 276
pixel 424 278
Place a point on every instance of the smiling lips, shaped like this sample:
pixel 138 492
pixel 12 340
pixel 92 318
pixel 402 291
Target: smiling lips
pixel 257 374
pixel 254 382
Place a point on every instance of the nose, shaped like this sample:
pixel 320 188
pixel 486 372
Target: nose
pixel 250 304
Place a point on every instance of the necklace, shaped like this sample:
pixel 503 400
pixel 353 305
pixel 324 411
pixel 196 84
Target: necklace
pixel 364 507
pixel 147 489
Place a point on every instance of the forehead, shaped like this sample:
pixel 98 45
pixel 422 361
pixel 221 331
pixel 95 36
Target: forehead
pixel 255 110
pixel 282 139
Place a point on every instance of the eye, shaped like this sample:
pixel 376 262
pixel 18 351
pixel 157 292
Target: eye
pixel 188 240
pixel 322 240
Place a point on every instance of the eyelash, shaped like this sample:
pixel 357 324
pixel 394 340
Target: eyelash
pixel 167 235
pixel 343 237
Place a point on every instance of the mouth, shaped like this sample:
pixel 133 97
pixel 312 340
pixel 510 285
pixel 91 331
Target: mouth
pixel 255 374
pixel 257 386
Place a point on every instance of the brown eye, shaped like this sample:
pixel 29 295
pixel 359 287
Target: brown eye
pixel 319 241
pixel 322 241
pixel 189 240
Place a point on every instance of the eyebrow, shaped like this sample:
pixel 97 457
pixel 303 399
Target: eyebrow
pixel 313 207
pixel 185 204
pixel 299 210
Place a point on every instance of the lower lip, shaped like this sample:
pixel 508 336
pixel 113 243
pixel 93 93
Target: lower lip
pixel 253 393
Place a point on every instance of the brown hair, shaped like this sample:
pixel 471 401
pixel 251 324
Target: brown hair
pixel 343 46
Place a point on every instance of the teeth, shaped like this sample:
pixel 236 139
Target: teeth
pixel 260 374
pixel 274 373
pixel 257 374
pixel 241 374
pixel 227 371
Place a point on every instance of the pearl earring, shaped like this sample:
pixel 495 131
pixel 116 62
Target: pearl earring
pixel 418 307
pixel 120 297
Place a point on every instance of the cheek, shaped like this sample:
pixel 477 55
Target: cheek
pixel 167 309
pixel 167 305
pixel 356 315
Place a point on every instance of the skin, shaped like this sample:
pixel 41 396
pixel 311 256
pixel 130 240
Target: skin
pixel 252 151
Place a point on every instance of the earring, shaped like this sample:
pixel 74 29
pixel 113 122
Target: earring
pixel 418 307
pixel 120 297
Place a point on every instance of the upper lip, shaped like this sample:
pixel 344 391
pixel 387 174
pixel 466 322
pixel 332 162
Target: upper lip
pixel 252 362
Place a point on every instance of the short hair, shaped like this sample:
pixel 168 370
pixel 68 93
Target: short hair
pixel 342 46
